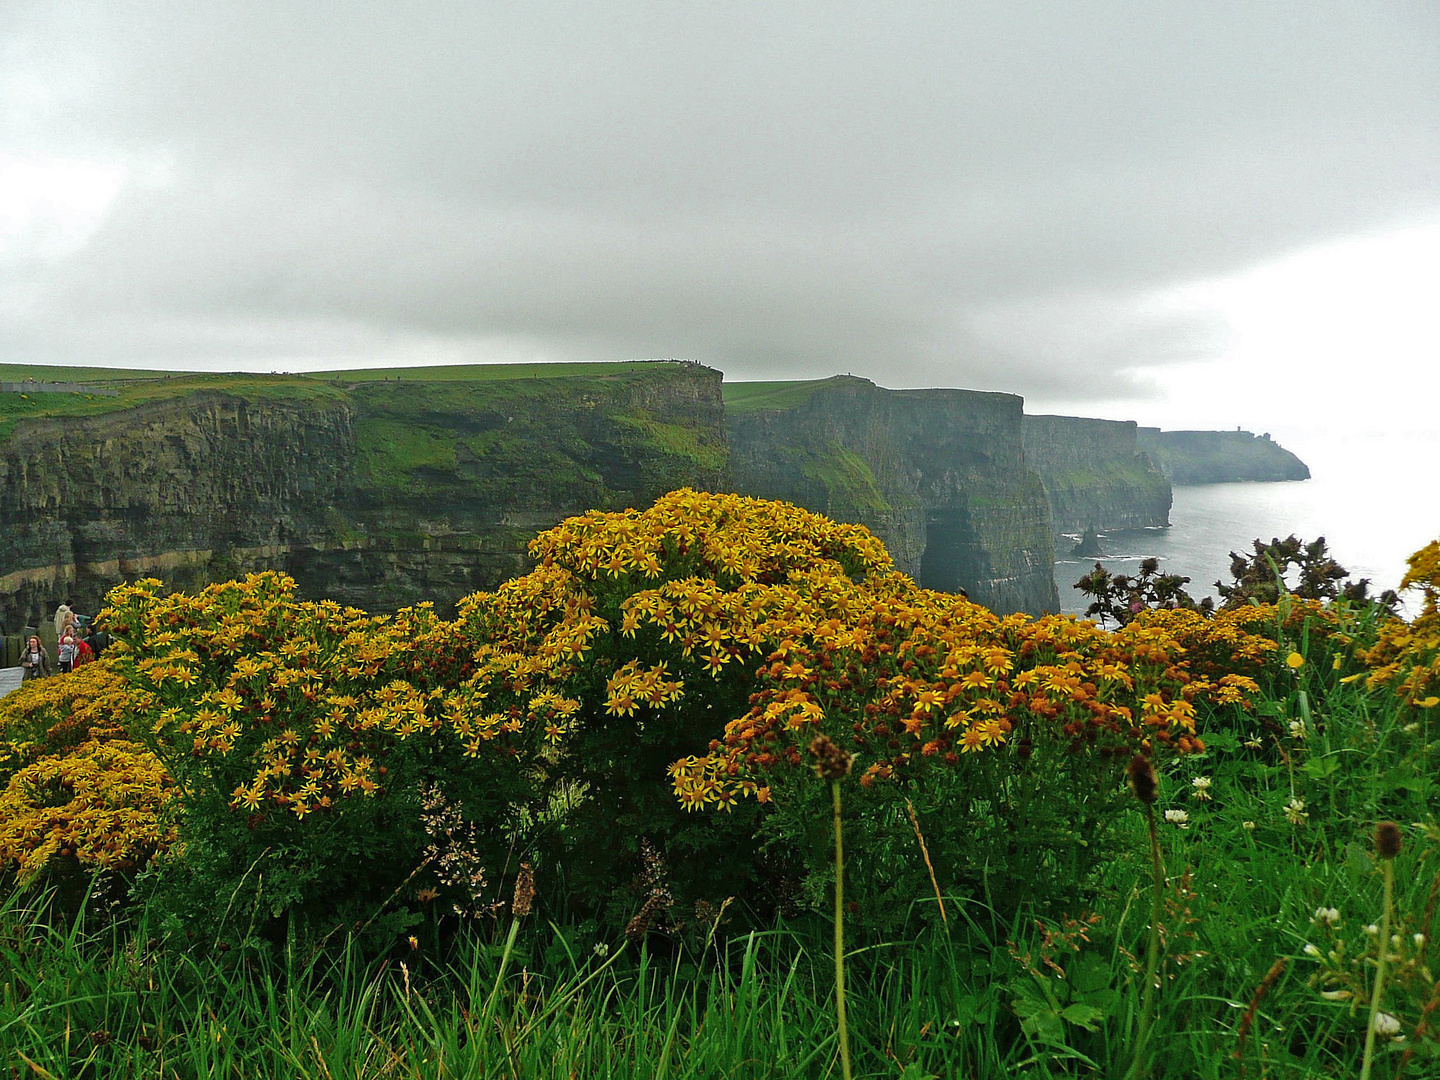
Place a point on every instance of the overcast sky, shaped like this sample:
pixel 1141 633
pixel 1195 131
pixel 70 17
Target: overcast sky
pixel 1114 208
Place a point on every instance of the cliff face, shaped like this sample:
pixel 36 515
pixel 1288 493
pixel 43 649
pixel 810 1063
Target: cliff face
pixel 378 494
pixel 185 489
pixel 1095 474
pixel 1220 457
pixel 381 493
pixel 939 475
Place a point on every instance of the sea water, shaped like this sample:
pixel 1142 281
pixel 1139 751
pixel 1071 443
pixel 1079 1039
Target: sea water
pixel 1373 498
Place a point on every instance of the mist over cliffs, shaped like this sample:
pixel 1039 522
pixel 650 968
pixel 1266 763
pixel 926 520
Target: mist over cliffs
pixel 385 489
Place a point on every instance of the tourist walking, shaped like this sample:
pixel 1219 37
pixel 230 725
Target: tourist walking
pixel 35 660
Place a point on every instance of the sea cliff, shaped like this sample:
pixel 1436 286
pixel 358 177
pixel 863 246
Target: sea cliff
pixel 1220 457
pixel 383 489
pixel 1095 475
pixel 372 492
pixel 939 475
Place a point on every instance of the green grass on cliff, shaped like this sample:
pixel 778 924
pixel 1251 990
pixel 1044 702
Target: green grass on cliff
pixel 600 369
pixel 137 391
pixel 141 387
pixel 743 397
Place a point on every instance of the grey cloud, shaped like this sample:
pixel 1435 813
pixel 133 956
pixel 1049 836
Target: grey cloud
pixel 969 194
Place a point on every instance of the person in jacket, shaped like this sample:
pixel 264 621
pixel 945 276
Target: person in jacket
pixel 35 660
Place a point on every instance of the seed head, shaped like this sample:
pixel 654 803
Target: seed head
pixel 1387 839
pixel 1142 779
pixel 524 892
pixel 831 762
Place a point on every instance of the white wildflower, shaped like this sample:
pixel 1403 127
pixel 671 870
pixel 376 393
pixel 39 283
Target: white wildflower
pixel 1387 1025
pixel 1201 784
pixel 1372 930
pixel 1312 950
pixel 1295 811
pixel 1327 916
pixel 1178 817
pixel 1297 729
pixel 1248 826
pixel 1419 940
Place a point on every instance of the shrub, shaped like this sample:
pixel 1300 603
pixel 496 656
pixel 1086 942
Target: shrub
pixel 631 644
pixel 1008 737
pixel 75 786
pixel 304 739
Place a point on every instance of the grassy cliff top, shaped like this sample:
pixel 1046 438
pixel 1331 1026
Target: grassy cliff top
pixel 134 387
pixel 742 397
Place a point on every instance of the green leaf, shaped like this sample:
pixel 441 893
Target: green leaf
pixel 1085 1016
pixel 1322 767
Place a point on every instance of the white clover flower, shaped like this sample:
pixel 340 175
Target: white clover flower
pixel 1253 743
pixel 1295 811
pixel 1178 817
pixel 1201 784
pixel 1327 916
pixel 1297 729
pixel 1411 729
pixel 1387 1025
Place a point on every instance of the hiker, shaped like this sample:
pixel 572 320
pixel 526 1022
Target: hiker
pixel 35 660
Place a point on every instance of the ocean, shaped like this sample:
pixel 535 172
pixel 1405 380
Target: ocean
pixel 1373 498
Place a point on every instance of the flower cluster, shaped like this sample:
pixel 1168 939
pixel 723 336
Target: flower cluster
pixel 908 677
pixel 74 783
pixel 293 705
pixel 1406 657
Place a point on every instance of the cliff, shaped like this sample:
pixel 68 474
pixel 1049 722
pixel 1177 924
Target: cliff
pixel 939 475
pixel 1095 475
pixel 1220 457
pixel 373 492
pixel 381 489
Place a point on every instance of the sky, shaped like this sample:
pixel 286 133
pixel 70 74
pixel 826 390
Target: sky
pixel 1194 215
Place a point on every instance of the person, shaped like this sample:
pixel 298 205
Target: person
pixel 83 653
pixel 64 617
pixel 99 640
pixel 66 654
pixel 35 660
